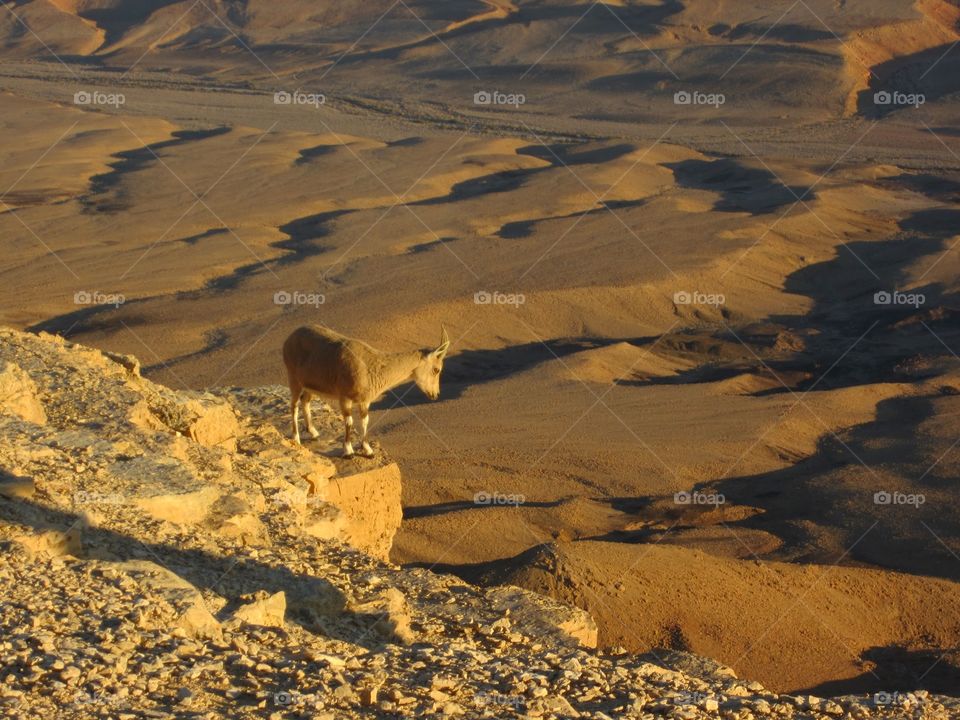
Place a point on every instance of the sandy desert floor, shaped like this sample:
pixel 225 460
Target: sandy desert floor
pixel 695 248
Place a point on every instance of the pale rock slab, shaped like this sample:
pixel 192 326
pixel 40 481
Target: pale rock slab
pixel 267 611
pixel 192 614
pixel 18 394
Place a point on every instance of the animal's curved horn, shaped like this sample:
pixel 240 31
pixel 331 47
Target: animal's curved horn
pixel 444 341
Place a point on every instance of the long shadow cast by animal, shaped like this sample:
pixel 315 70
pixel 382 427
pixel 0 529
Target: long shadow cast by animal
pixel 315 601
pixel 475 367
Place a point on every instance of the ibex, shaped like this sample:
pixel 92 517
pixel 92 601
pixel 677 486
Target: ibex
pixel 322 362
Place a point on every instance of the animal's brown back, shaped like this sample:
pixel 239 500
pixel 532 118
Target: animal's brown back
pixel 324 361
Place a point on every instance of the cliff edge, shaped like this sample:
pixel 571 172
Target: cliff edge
pixel 171 554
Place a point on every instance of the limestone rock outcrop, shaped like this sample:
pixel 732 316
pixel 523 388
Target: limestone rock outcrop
pixel 107 441
pixel 170 554
pixel 18 394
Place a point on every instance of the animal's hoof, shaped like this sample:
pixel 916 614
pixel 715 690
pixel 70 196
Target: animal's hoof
pixel 314 434
pixel 349 456
pixel 367 455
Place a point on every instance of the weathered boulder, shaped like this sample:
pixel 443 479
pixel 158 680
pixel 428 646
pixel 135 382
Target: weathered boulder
pixel 245 527
pixel 390 615
pixel 191 614
pixel 325 521
pixel 130 363
pixel 370 500
pixel 18 394
pixel 527 609
pixel 189 507
pixel 212 422
pixel 268 610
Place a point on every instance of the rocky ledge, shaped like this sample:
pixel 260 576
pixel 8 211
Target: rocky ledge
pixel 171 554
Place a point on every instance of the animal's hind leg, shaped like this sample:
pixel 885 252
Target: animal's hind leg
pixel 295 393
pixel 305 404
pixel 364 420
pixel 346 410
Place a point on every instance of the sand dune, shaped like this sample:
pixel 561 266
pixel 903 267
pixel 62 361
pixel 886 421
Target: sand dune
pixel 878 57
pixel 814 624
pixel 63 30
pixel 830 56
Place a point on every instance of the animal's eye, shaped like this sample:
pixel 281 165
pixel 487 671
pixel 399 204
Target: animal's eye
pixel 436 371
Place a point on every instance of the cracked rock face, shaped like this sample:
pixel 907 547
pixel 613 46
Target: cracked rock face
pixel 108 442
pixel 151 570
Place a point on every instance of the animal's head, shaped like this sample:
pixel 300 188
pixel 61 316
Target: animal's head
pixel 427 373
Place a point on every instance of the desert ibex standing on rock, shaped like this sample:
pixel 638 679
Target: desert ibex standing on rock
pixel 322 362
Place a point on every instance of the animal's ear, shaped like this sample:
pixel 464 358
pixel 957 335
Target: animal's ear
pixel 441 351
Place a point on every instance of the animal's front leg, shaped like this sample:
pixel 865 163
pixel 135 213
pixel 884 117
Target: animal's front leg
pixel 364 420
pixel 346 409
pixel 295 415
pixel 305 402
